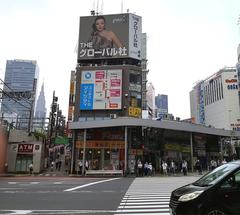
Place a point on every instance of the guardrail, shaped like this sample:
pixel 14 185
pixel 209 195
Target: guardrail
pixel 104 172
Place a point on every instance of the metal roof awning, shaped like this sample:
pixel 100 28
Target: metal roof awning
pixel 163 124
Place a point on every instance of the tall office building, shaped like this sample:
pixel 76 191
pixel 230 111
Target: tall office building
pixel 40 113
pixel 20 90
pixel 215 102
pixel 161 102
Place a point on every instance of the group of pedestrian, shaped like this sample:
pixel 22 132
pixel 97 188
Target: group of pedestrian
pixel 80 166
pixel 171 167
pixel 144 170
pixel 57 164
pixel 216 162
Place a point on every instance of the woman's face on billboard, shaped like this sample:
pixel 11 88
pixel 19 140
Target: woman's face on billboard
pixel 100 24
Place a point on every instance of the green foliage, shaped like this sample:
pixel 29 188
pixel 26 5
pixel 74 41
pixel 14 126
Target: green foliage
pixel 39 135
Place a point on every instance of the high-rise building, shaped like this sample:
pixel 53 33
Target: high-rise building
pixel 41 110
pixel 215 101
pixel 161 102
pixel 20 90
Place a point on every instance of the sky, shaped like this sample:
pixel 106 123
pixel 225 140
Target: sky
pixel 187 41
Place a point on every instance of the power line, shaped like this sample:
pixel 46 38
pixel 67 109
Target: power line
pixel 11 90
pixel 11 98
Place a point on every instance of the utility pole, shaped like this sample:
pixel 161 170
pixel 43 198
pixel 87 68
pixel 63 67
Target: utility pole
pixel 52 121
pixel 32 100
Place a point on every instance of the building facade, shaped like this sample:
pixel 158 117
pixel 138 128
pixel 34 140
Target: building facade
pixel 215 100
pixel 161 105
pixel 22 150
pixel 107 98
pixel 20 91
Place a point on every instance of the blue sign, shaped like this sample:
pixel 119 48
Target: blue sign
pixel 86 96
pixel 88 75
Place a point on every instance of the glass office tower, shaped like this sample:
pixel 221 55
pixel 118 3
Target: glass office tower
pixel 20 91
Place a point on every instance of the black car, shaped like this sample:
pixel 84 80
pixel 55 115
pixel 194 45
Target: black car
pixel 216 193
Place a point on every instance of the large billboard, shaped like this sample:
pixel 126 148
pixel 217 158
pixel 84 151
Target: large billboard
pixel 101 90
pixel 110 36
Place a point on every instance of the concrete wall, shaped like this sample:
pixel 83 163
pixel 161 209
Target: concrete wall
pixel 37 156
pixel 3 150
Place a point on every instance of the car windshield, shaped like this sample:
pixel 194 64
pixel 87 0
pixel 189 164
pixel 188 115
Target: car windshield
pixel 215 175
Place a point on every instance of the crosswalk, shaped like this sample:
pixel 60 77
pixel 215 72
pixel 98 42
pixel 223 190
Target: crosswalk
pixel 149 196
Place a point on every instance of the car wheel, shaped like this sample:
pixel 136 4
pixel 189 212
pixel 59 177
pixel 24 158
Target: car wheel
pixel 215 211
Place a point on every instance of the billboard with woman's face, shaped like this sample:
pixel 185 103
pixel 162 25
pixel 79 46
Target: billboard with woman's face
pixel 110 36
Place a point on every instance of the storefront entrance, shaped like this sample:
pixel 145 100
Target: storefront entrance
pixel 22 162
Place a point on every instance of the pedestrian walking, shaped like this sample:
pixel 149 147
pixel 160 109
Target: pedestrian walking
pixel 213 164
pixel 172 167
pixel 52 166
pixel 198 167
pixel 86 165
pixel 150 169
pixel 80 165
pixel 146 168
pixel 59 165
pixel 184 167
pixel 164 168
pixel 30 168
pixel 139 168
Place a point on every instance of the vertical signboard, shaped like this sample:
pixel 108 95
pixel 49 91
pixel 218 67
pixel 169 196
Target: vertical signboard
pixel 201 110
pixel 101 89
pixel 135 33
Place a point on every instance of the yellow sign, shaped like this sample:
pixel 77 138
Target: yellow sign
pixel 101 144
pixel 136 112
pixel 134 102
pixel 177 147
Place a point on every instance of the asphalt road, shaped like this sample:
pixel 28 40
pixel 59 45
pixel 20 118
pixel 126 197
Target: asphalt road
pixel 73 195
pixel 69 195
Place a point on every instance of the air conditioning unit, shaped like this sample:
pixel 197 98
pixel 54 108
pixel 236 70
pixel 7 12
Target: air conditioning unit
pixel 113 116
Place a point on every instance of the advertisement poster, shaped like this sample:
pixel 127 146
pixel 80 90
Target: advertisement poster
pixel 110 36
pixel 101 89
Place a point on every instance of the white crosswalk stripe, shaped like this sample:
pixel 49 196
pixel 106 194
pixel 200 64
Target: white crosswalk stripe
pixel 149 196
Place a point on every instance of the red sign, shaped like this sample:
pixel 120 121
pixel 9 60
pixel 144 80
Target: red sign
pixel 115 82
pixel 100 75
pixel 114 92
pixel 231 80
pixel 25 148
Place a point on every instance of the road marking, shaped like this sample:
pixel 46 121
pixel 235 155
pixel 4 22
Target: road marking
pixel 147 214
pixel 145 206
pixel 140 203
pixel 20 212
pixel 35 182
pixel 12 182
pixel 140 210
pixel 93 183
pixel 58 182
pixel 66 212
pixel 10 188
